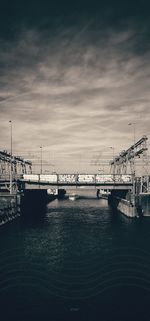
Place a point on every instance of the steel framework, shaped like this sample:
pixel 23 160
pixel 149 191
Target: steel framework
pixel 19 165
pixel 126 158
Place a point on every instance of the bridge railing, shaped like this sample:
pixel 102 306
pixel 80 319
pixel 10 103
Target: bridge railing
pixel 5 177
pixel 77 178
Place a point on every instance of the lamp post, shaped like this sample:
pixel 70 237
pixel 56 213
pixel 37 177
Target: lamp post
pixel 113 149
pixel 41 159
pixel 10 184
pixel 101 172
pixel 133 124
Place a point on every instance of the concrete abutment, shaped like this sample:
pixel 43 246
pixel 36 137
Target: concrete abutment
pixel 123 201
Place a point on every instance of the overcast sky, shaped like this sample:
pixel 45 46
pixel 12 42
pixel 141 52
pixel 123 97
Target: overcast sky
pixel 72 76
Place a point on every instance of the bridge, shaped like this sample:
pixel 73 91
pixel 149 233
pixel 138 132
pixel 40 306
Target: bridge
pixel 68 181
pixel 16 175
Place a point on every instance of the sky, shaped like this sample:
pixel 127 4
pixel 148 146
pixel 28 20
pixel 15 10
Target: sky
pixel 73 75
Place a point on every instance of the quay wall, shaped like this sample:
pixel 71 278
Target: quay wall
pixel 138 208
pixel 9 207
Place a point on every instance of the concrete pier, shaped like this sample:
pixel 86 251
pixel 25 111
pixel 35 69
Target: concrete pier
pixel 123 202
pixel 126 207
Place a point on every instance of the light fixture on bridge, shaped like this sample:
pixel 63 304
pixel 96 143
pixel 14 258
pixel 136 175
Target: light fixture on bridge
pixel 133 124
pixel 113 149
pixel 10 185
pixel 41 159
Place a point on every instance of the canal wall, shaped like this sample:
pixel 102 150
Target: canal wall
pixel 129 206
pixel 30 202
pixel 9 207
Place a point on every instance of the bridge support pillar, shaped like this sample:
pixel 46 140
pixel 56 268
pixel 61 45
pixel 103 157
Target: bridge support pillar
pixel 61 193
pixel 33 202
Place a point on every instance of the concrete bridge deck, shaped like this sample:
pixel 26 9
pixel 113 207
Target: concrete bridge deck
pixel 110 186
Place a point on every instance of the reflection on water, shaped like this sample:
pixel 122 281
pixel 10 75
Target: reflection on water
pixel 77 261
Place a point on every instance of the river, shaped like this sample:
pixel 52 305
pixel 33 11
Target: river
pixel 78 260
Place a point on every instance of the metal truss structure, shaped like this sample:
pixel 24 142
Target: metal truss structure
pixel 142 184
pixel 125 162
pixel 19 165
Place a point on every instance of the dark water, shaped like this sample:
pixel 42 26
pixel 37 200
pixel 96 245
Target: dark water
pixel 77 261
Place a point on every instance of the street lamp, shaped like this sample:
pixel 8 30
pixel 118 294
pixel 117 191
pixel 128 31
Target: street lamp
pixel 41 159
pixel 113 149
pixel 101 172
pixel 133 124
pixel 10 184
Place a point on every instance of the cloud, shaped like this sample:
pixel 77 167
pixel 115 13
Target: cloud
pixel 74 89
